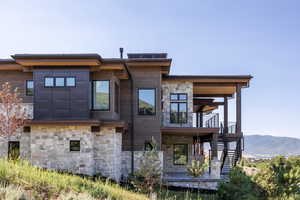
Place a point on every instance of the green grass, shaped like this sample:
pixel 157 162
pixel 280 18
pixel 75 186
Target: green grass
pixel 43 184
pixel 20 180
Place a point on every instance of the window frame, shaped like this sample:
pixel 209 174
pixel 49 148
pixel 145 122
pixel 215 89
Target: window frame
pixel 187 154
pixel 109 97
pixel 26 88
pixel 45 82
pixel 66 78
pixel 138 102
pixel 9 149
pixel 70 147
pixel 178 102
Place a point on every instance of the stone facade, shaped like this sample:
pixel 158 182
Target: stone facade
pixel 138 156
pixel 168 142
pixel 169 87
pixel 49 147
pixel 28 108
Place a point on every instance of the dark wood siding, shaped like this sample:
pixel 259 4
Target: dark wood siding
pixel 62 103
pixel 144 126
pixel 17 79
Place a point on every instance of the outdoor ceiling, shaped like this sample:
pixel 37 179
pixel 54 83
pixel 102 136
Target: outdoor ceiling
pixel 213 89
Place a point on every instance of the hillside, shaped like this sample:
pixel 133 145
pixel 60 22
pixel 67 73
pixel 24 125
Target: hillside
pixel 269 146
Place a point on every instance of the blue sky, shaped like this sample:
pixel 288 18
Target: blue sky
pixel 261 38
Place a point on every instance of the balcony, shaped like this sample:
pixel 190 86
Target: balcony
pixel 194 122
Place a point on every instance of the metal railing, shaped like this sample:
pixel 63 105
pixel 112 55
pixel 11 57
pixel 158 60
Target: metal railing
pixel 189 119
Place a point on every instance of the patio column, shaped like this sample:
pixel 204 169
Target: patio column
pixel 225 115
pixel 238 109
pixel 214 146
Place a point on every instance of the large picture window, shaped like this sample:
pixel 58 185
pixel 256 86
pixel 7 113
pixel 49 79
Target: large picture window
pixel 101 95
pixel 180 154
pixel 178 108
pixel 146 101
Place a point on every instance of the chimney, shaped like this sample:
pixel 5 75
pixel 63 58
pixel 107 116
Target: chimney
pixel 121 52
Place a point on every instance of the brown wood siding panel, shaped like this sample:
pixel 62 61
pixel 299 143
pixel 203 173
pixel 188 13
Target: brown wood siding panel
pixel 17 79
pixel 62 103
pixel 144 126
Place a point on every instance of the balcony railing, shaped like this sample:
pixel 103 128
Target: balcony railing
pixel 189 119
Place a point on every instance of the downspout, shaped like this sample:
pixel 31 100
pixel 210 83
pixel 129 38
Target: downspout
pixel 132 118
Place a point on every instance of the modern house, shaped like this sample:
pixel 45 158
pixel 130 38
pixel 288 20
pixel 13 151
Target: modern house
pixel 92 115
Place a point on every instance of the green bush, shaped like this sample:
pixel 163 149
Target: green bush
pixel 280 178
pixel 196 168
pixel 239 187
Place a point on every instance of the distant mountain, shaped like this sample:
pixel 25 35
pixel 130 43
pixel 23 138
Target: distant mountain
pixel 269 146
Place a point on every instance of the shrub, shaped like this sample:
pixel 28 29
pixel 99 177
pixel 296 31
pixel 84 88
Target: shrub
pixel 196 168
pixel 280 178
pixel 239 187
pixel 149 174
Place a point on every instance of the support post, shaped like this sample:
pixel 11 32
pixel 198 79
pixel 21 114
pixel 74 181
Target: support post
pixel 201 119
pixel 225 115
pixel 197 119
pixel 214 146
pixel 238 109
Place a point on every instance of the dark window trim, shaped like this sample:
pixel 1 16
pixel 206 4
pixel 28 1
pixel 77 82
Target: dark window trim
pixel 27 88
pixel 187 153
pixel 138 102
pixel 45 82
pixel 79 146
pixel 178 102
pixel 74 81
pixel 109 91
pixel 59 77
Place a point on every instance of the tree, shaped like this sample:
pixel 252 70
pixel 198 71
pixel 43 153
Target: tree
pixel 12 114
pixel 149 174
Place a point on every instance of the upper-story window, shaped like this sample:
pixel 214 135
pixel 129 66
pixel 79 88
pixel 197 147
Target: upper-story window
pixel 29 88
pixel 146 101
pixel 60 82
pixel 101 95
pixel 178 108
pixel 49 82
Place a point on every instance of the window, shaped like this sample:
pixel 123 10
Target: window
pixel 148 146
pixel 180 154
pixel 59 81
pixel 178 108
pixel 75 145
pixel 13 150
pixel 70 82
pixel 101 95
pixel 29 88
pixel 117 98
pixel 49 82
pixel 146 102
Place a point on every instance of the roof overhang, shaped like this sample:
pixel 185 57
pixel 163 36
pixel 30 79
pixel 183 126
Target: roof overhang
pixel 213 86
pixel 57 59
pixel 163 63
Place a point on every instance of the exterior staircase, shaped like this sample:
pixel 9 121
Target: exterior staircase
pixel 229 157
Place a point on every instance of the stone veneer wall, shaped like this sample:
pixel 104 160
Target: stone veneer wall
pixel 169 87
pixel 108 153
pixel 168 142
pixel 138 156
pixel 49 147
